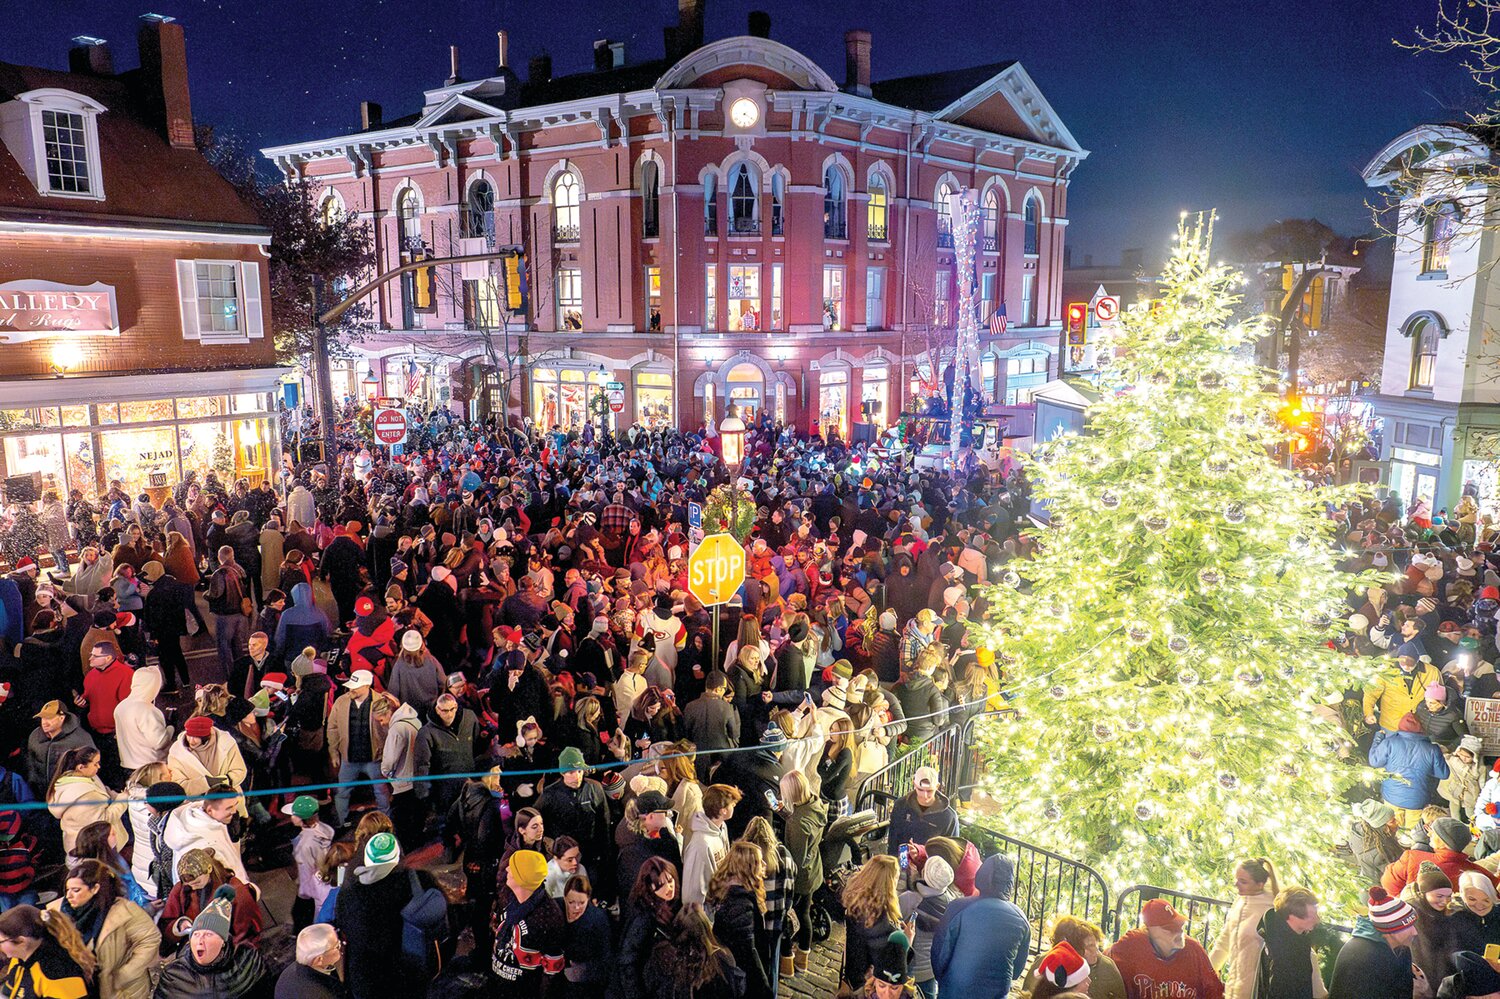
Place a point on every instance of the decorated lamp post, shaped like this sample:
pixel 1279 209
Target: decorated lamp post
pixel 966 215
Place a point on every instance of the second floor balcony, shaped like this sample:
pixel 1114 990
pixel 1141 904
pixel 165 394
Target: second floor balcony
pixel 876 231
pixel 744 227
pixel 565 232
pixel 835 228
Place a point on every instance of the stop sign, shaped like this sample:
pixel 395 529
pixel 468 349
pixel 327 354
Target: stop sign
pixel 716 569
pixel 389 426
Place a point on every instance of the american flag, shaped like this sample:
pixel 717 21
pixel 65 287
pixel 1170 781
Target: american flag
pixel 413 377
pixel 997 321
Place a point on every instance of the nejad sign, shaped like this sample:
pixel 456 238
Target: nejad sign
pixel 33 309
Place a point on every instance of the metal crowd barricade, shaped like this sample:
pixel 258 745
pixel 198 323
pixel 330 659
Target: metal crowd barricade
pixel 1205 916
pixel 1047 884
pixel 943 751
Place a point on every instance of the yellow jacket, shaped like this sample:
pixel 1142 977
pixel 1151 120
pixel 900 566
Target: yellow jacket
pixel 1397 693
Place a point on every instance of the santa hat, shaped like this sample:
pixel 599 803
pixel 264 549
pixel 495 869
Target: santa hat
pixel 274 681
pixel 1063 967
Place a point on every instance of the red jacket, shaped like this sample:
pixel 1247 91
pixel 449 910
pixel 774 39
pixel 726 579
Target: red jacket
pixel 1188 974
pixel 105 689
pixel 1403 870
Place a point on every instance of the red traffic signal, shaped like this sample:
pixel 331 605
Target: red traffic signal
pixel 1077 319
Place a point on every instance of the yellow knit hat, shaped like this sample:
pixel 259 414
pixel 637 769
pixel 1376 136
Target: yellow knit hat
pixel 529 868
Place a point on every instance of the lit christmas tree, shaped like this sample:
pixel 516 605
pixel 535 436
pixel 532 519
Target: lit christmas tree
pixel 1169 654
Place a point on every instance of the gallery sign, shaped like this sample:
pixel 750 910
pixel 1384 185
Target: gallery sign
pixel 33 309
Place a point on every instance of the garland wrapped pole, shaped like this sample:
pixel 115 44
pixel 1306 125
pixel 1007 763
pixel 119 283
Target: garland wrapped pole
pixel 730 509
pixel 1168 654
pixel 965 215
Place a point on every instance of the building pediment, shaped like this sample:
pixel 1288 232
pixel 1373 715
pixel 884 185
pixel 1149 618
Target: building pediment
pixel 458 109
pixel 1010 103
pixel 802 72
pixel 1442 148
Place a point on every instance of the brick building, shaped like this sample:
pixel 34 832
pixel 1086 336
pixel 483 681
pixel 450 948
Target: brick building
pixel 724 228
pixel 134 339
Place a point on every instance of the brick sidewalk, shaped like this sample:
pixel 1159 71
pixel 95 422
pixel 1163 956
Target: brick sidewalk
pixel 823 965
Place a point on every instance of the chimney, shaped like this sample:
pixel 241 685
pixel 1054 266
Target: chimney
pixel 603 58
pixel 617 54
pixel 540 69
pixel 504 51
pixel 689 26
pixel 164 75
pixel 369 115
pixel 760 24
pixel 857 62
pixel 453 76
pixel 90 55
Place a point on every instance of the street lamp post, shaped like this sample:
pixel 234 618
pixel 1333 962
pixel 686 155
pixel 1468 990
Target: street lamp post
pixel 732 446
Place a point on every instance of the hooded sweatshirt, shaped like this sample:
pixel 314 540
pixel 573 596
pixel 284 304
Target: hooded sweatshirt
pixel 140 727
pixel 1367 968
pixel 705 848
pixel 190 828
pixel 302 624
pixel 398 761
pixel 981 945
pixel 308 850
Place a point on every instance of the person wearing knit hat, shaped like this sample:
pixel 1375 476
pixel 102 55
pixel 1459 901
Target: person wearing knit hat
pixel 211 963
pixel 1432 951
pixel 889 971
pixel 1416 766
pixel 925 905
pixel 528 950
pixel 526 870
pixel 1374 962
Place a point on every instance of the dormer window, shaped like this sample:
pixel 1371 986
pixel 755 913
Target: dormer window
pixel 54 135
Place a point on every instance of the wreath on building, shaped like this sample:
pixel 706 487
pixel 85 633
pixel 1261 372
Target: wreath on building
pixel 719 511
pixel 599 404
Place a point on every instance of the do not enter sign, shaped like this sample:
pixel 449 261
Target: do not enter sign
pixel 716 569
pixel 389 426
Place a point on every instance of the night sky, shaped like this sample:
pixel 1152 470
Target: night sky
pixel 1264 110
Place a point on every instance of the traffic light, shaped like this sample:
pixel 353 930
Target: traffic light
pixel 515 282
pixel 1299 422
pixel 1078 314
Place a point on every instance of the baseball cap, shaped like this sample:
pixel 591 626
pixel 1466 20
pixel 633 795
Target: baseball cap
pixel 925 775
pixel 652 801
pixel 360 678
pixel 364 607
pixel 52 709
pixel 1159 912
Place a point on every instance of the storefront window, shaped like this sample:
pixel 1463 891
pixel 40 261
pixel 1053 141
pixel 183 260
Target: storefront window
pixel 874 394
pixel 252 450
pixel 708 405
pixel 833 403
pixel 25 419
pixel 202 406
pixel 75 416
pixel 37 454
pixel 107 412
pixel 147 412
pixel 560 396
pixel 147 459
pixel 653 398
pixel 78 452
pixel 744 297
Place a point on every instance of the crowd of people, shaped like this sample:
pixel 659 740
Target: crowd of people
pixel 466 695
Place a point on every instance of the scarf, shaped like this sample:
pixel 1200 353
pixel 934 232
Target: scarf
pixel 89 918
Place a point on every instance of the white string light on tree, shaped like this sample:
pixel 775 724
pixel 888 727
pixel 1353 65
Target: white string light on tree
pixel 966 215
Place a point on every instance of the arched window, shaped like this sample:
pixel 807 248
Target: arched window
pixel 992 222
pixel 565 209
pixel 408 219
pixel 650 200
pixel 710 206
pixel 778 198
pixel 479 213
pixel 743 217
pixel 1424 349
pixel 945 215
pixel 833 204
pixel 1032 220
pixel 876 216
pixel 328 211
pixel 1442 225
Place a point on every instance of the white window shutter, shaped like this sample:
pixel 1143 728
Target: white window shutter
pixel 187 298
pixel 254 325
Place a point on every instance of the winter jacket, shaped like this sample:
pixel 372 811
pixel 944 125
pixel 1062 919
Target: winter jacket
pixel 582 813
pixel 446 749
pixel 911 823
pixel 298 981
pixel 139 815
pixel 980 947
pixel 1398 693
pixel 141 730
pixel 640 933
pixel 1462 787
pixel 1418 762
pixel 223 761
pixel 49 973
pixel 417 684
pixel 363 911
pixel 78 801
pixel 1373 849
pixel 1147 976
pixel 184 903
pixel 475 826
pixel 1437 937
pixel 398 760
pixel 1444 726
pixel 338 729
pixel 923 705
pixel 191 828
pixel 43 754
pixel 711 723
pixel 1403 871
pixel 924 907
pixel 127 949
pixel 1288 967
pixel 754 772
pixel 740 926
pixel 308 850
pixel 168 606
pixel 804 839
pixel 239 973
pixel 1238 945
pixel 704 851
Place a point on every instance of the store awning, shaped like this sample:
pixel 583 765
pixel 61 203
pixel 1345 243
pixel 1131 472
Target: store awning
pixel 75 391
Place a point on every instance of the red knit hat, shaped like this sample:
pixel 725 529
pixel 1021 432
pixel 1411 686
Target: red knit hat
pixel 1490 593
pixel 1409 723
pixel 199 726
